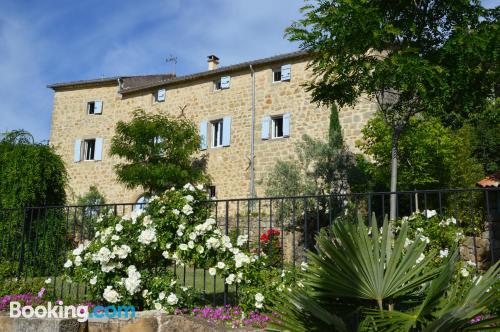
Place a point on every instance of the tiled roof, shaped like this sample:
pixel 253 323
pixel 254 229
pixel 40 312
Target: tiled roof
pixel 219 71
pixel 490 181
pixel 136 83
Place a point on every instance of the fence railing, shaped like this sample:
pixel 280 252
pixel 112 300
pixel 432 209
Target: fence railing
pixel 34 241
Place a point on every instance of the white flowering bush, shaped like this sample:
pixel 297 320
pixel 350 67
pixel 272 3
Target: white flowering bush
pixel 130 259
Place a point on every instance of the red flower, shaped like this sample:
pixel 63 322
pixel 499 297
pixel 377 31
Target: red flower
pixel 267 235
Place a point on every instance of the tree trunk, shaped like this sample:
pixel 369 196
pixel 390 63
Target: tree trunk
pixel 394 175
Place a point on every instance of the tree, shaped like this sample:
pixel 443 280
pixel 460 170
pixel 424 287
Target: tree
pixel 381 50
pixel 158 152
pixel 31 174
pixel 430 155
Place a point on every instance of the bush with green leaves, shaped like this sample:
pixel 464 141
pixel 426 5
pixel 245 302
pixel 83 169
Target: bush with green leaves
pixel 130 259
pixel 363 279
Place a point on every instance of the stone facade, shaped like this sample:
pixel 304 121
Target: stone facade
pixel 228 166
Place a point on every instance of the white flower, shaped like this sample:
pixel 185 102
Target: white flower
pixel 187 209
pixel 464 272
pixel 165 254
pixel 180 233
pixel 122 251
pixel 258 305
pixel 133 281
pixel 241 240
pixel 212 243
pixel 471 263
pixel 304 266
pixel 443 253
pixel 176 212
pixel 420 258
pixel 147 220
pixel 168 245
pixel 408 242
pixel 420 230
pixel 158 306
pixel 191 244
pixel 102 256
pixel 115 238
pixel 451 220
pixel 172 299
pixel 161 296
pixel 212 271
pixel 111 295
pixel 189 198
pixel 107 268
pixel 199 187
pixel 78 261
pixel 147 236
pixel 230 279
pixel 183 246
pixel 48 280
pixel 145 293
pixel 221 265
pixel 200 249
pixel 78 251
pixel 189 186
pixel 93 280
pixel 118 227
pixel 68 263
pixel 425 239
pixel 173 282
pixel 192 236
pixel 240 259
pixel 429 213
pixel 184 289
pixel 259 297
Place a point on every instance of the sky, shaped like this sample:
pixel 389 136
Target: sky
pixel 44 42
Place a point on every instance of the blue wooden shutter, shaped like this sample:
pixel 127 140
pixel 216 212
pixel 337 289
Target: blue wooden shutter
pixel 225 81
pixel 203 135
pixel 98 149
pixel 286 125
pixel 78 150
pixel 98 107
pixel 286 72
pixel 226 131
pixel 266 125
pixel 160 96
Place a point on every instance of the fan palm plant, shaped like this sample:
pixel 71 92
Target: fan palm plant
pixel 361 279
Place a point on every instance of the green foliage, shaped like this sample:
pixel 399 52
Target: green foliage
pixel 430 155
pixel 363 280
pixel 30 174
pixel 158 152
pixel 92 197
pixel 485 138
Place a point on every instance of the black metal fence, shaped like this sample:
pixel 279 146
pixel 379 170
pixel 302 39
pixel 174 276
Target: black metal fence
pixel 34 241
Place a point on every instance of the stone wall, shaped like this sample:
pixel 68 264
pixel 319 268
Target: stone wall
pixel 228 166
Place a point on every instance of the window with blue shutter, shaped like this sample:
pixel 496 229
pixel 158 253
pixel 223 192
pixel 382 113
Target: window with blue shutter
pixel 266 124
pixel 98 107
pixel 160 95
pixel 77 153
pixel 286 125
pixel 203 135
pixel 98 149
pixel 286 72
pixel 226 131
pixel 225 82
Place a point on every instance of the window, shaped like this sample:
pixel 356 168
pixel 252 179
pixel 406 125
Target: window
pixel 217 129
pixel 94 107
pixel 91 107
pixel 217 85
pixel 160 95
pixel 88 149
pixel 277 75
pixel 277 127
pixel 141 203
pixel 211 192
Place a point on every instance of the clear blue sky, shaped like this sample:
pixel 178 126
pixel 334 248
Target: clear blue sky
pixel 49 41
pixel 43 42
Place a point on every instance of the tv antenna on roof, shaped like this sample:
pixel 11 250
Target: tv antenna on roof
pixel 171 59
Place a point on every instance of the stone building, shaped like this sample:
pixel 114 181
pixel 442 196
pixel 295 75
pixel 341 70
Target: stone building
pixel 261 101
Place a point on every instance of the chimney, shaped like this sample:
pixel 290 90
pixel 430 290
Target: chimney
pixel 213 61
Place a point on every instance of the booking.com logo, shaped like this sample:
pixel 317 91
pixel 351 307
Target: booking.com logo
pixel 80 312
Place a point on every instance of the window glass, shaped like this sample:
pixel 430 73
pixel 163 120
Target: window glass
pixel 217 133
pixel 89 149
pixel 277 127
pixel 277 75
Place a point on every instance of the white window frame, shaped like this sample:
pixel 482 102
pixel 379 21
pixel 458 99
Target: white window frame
pixel 273 126
pixel 219 123
pixel 155 96
pixel 86 147
pixel 276 70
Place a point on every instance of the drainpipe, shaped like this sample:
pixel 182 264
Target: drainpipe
pixel 252 138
